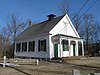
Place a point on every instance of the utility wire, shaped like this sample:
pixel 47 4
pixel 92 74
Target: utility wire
pixel 77 12
pixel 88 9
pixel 83 13
pixel 81 9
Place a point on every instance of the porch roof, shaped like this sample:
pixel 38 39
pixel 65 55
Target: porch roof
pixel 62 35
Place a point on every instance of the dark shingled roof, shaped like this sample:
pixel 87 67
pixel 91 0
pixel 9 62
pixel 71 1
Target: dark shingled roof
pixel 40 28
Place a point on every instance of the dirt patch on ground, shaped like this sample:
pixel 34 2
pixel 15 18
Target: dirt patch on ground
pixel 89 65
pixel 9 71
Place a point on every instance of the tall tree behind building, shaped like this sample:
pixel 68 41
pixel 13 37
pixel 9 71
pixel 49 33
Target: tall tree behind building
pixel 64 8
pixel 86 26
pixel 13 28
pixel 89 28
pixel 4 42
pixel 77 23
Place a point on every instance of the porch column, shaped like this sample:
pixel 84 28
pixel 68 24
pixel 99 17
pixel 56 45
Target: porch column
pixel 76 52
pixel 60 47
pixel 82 48
pixel 69 48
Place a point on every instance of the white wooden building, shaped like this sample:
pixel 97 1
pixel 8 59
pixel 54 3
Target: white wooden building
pixel 53 38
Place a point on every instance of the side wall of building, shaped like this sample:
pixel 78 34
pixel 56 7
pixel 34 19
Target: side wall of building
pixel 36 53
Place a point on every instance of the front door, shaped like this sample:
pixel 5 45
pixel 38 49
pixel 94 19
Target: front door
pixel 73 49
pixel 56 50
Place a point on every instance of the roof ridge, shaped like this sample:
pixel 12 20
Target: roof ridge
pixel 39 28
pixel 46 20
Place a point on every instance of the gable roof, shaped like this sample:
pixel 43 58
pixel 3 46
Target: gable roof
pixel 40 28
pixel 72 26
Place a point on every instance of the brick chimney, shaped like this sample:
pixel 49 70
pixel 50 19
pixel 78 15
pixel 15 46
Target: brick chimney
pixel 51 16
pixel 30 23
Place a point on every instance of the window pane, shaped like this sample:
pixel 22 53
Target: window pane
pixel 24 46
pixel 32 46
pixel 18 47
pixel 42 45
pixel 65 45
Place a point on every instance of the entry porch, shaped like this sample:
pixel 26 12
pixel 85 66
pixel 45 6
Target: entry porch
pixel 67 46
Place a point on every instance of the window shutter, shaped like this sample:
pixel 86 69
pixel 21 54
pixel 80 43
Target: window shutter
pixel 39 45
pixel 22 47
pixel 44 45
pixel 33 46
pixel 25 46
pixel 19 46
pixel 29 46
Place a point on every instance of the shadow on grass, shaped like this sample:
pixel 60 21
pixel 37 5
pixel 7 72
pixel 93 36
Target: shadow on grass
pixel 49 71
pixel 88 66
pixel 79 66
pixel 19 70
pixel 39 71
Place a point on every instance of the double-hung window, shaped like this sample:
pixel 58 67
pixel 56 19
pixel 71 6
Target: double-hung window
pixel 65 45
pixel 24 47
pixel 18 47
pixel 31 46
pixel 42 45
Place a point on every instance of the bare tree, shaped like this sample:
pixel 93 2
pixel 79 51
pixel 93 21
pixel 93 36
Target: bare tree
pixel 1 50
pixel 77 23
pixel 64 8
pixel 89 25
pixel 15 26
pixel 4 42
pixel 87 28
pixel 8 34
pixel 96 35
